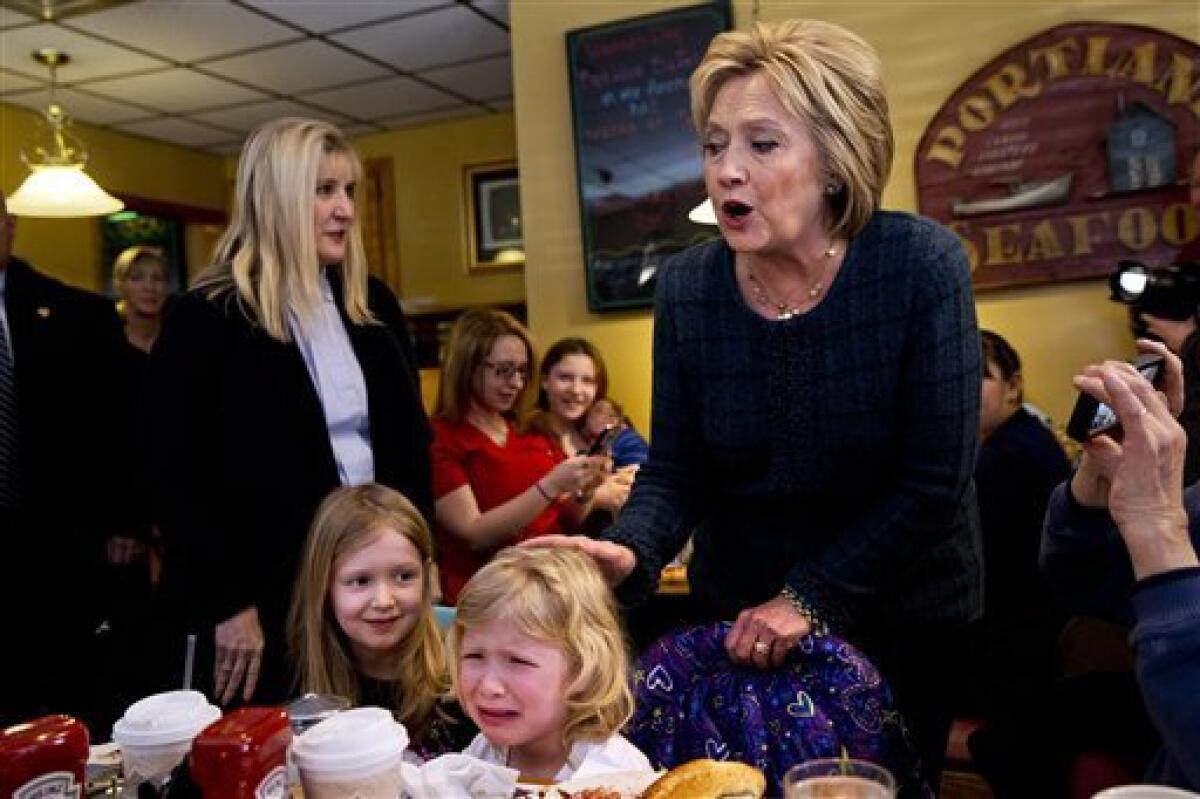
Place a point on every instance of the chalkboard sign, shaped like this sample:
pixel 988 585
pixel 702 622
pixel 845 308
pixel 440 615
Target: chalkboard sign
pixel 636 154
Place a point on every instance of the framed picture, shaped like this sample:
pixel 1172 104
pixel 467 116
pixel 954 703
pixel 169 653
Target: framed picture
pixel 637 157
pixel 493 206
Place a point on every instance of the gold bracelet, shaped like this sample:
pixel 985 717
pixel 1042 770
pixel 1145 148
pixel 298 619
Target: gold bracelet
pixel 816 626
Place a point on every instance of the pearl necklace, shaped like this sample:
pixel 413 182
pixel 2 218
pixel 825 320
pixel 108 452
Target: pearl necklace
pixel 784 311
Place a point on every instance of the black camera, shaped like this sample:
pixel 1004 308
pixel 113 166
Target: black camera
pixel 1169 292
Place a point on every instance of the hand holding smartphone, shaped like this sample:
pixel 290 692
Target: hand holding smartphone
pixel 603 442
pixel 1091 417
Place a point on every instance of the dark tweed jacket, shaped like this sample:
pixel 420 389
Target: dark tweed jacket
pixel 833 452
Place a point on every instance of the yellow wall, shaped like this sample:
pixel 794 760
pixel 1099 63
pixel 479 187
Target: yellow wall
pixel 927 50
pixel 69 249
pixel 430 213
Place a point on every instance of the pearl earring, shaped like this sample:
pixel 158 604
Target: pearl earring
pixel 832 188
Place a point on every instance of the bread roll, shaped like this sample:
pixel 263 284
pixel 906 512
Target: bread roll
pixel 709 779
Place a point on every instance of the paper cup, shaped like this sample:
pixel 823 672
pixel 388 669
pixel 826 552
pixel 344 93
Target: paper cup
pixel 156 733
pixel 355 753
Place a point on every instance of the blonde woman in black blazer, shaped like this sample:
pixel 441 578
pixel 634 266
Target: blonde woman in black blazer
pixel 247 444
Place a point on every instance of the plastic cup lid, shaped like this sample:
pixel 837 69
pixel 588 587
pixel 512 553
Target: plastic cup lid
pixel 166 718
pixel 356 740
pixel 314 707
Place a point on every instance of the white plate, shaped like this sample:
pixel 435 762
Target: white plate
pixel 1145 792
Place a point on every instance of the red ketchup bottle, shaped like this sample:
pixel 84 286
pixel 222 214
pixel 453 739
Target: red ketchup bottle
pixel 44 757
pixel 243 755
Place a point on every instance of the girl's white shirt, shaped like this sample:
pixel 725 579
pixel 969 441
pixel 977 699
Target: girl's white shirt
pixel 586 758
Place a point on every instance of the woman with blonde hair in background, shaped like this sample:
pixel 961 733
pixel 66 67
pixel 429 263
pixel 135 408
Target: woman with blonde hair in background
pixel 282 374
pixel 134 564
pixel 361 623
pixel 496 485
pixel 140 281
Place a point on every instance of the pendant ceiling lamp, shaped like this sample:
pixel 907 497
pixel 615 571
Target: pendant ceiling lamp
pixel 57 186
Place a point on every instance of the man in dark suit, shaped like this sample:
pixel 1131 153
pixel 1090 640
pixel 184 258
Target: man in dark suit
pixel 59 474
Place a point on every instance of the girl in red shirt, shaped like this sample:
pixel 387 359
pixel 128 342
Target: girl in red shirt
pixel 494 485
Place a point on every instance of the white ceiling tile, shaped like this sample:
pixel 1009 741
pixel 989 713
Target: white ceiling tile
pixel 184 31
pixel 245 118
pixel 176 90
pixel 495 8
pixel 491 77
pixel 381 98
pixel 16 83
pixel 8 18
pixel 81 107
pixel 294 68
pixel 326 15
pixel 176 131
pixel 426 40
pixel 436 115
pixel 90 58
pixel 128 90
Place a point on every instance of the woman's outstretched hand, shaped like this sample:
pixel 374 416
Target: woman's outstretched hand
pixel 615 561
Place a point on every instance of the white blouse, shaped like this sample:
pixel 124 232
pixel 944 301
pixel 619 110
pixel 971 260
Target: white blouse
pixel 586 758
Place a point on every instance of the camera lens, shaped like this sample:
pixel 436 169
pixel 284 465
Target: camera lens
pixel 1129 281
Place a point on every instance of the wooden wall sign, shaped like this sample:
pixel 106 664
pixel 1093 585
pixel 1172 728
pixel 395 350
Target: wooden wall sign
pixel 1067 153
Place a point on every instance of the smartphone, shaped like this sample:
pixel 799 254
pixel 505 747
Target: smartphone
pixel 603 441
pixel 1091 417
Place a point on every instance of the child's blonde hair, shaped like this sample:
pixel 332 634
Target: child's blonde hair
pixel 349 519
pixel 556 596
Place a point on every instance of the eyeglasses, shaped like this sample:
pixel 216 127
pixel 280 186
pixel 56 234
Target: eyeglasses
pixel 505 371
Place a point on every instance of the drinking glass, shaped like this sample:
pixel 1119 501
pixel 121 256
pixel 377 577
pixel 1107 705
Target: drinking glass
pixel 838 778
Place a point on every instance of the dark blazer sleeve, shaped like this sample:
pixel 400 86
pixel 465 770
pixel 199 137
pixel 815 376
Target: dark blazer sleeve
pixel 667 496
pixel 181 402
pixel 109 452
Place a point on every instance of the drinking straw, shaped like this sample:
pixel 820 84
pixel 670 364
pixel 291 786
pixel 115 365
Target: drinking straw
pixel 187 662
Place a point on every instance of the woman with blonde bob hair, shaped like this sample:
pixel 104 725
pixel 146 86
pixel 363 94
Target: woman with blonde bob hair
pixel 283 373
pixel 540 664
pixel 830 80
pixel 361 623
pixel 816 381
pixel 495 484
pixel 140 279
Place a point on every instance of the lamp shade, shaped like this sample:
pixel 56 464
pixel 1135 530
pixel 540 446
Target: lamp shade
pixel 61 190
pixel 704 213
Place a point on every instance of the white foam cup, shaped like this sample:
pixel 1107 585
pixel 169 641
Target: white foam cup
pixel 156 733
pixel 354 753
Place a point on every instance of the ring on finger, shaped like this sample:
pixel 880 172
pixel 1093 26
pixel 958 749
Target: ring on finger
pixel 761 647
